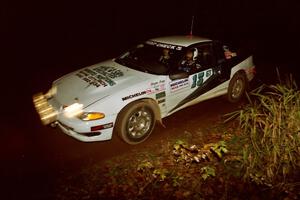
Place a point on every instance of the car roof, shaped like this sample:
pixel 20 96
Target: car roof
pixel 178 40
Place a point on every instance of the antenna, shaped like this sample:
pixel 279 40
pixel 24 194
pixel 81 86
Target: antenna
pixel 192 25
pixel 193 17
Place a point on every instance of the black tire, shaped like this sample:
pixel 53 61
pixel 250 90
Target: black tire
pixel 135 122
pixel 237 87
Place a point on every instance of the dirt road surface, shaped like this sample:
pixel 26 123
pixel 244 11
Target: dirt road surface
pixel 33 156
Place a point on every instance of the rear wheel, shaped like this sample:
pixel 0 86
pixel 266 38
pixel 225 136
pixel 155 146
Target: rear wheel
pixel 135 123
pixel 237 87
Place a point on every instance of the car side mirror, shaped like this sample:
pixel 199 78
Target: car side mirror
pixel 179 75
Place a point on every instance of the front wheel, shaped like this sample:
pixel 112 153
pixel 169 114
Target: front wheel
pixel 135 123
pixel 237 87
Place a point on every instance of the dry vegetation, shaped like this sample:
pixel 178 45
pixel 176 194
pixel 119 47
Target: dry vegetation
pixel 254 156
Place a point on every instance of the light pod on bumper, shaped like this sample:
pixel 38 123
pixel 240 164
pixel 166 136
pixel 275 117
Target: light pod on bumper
pixel 46 112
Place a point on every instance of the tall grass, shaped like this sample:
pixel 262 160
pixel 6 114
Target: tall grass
pixel 271 129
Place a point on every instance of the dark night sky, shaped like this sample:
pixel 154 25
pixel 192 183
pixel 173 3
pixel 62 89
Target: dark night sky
pixel 51 38
pixel 57 26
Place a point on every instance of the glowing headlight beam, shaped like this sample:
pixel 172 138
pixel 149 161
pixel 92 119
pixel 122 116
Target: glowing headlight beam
pixel 73 110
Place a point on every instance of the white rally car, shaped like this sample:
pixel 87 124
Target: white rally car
pixel 129 94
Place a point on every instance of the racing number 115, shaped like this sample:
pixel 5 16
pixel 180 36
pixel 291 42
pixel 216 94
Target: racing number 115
pixel 198 78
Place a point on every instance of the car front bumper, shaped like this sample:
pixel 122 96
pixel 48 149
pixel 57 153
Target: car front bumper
pixel 51 113
pixel 94 136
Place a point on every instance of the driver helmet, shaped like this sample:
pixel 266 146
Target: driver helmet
pixel 195 53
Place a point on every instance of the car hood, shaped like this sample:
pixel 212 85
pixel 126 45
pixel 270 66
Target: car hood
pixel 96 82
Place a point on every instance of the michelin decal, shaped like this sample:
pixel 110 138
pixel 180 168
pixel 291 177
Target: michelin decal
pixel 179 84
pixel 134 95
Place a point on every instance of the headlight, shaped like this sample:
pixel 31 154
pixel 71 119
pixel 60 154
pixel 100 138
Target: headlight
pixel 73 110
pixel 51 92
pixel 91 116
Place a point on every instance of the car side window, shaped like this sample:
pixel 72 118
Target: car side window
pixel 197 59
pixel 219 53
pixel 206 58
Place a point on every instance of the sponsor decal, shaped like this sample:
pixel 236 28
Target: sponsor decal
pixel 179 84
pixel 134 95
pixel 101 127
pixel 157 86
pixel 160 82
pixel 163 45
pixel 161 98
pixel 160 95
pixel 100 76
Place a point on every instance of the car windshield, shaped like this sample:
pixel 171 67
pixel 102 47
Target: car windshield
pixel 152 57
